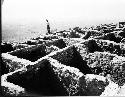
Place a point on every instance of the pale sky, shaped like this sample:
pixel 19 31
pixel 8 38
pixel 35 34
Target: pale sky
pixel 63 11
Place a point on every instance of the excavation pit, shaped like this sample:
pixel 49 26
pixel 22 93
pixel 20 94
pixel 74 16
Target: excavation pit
pixel 12 61
pixel 47 77
pixel 71 57
pixel 31 53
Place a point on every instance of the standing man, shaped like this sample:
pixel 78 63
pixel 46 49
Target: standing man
pixel 48 26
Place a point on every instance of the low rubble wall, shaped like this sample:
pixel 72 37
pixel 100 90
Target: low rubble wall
pixel 14 60
pixel 11 63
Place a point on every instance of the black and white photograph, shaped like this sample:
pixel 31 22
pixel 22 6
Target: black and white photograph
pixel 62 48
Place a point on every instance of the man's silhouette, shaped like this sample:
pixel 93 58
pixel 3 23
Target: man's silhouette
pixel 48 26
